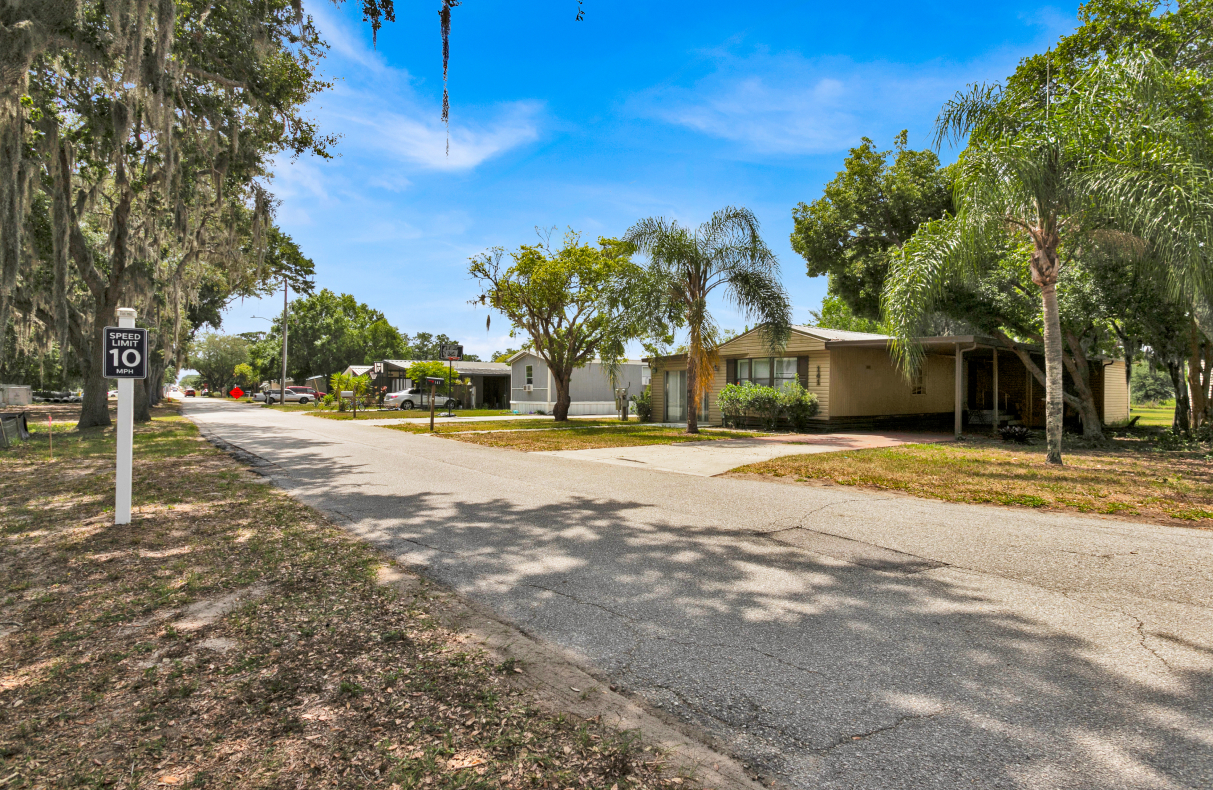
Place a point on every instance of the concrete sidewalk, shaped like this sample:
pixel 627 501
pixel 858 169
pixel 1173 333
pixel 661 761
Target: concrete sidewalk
pixel 710 458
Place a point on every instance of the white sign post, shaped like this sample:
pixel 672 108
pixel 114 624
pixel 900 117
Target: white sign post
pixel 125 358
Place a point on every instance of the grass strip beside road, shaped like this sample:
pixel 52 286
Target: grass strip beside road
pixel 397 414
pixel 529 424
pixel 1127 478
pixel 532 441
pixel 229 637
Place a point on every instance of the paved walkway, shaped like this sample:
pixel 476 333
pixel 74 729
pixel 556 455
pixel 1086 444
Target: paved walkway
pixel 832 637
pixel 706 459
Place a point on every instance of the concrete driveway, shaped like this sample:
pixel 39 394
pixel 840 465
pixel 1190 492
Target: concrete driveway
pixel 830 637
pixel 709 458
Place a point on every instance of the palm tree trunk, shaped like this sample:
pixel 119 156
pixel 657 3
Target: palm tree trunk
pixel 1054 404
pixel 692 393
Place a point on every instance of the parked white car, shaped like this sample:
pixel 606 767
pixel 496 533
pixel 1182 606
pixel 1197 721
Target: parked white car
pixel 417 399
pixel 300 395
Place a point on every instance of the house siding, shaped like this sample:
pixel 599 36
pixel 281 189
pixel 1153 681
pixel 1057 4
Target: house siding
pixel 1116 392
pixel 749 346
pixel 866 383
pixel 589 388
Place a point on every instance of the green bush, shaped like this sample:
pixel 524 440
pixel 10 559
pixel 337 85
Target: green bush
pixel 791 402
pixel 644 405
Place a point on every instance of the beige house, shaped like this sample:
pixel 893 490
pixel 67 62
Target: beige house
pixel 965 380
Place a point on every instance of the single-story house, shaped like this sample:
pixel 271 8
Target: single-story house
pixel 490 380
pixel 964 380
pixel 532 389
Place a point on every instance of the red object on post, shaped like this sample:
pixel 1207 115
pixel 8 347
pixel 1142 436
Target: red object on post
pixel 236 392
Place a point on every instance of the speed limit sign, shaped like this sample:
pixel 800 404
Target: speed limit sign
pixel 125 353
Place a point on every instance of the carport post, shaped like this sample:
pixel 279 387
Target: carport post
pixel 958 389
pixel 995 390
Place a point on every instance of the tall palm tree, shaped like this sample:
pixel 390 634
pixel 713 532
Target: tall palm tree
pixel 687 265
pixel 1110 155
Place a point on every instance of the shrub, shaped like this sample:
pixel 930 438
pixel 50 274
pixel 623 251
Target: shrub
pixel 644 404
pixel 791 402
pixel 1015 433
pixel 799 405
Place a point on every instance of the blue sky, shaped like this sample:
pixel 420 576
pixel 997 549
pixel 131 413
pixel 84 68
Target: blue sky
pixel 642 109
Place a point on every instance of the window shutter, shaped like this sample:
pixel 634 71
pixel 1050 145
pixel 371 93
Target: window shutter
pixel 802 371
pixel 730 371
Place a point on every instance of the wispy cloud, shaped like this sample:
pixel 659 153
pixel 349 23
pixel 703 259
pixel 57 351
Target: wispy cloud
pixel 790 104
pixel 377 108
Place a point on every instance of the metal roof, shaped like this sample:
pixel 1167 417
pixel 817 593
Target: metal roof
pixel 469 368
pixel 838 334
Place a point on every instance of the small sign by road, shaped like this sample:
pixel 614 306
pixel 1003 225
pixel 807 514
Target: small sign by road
pixel 125 353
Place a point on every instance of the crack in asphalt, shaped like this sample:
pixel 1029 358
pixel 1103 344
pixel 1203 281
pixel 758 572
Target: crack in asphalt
pixel 864 735
pixel 684 643
pixel 797 522
pixel 1140 628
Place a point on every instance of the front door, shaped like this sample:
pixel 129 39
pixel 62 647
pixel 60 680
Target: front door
pixel 675 396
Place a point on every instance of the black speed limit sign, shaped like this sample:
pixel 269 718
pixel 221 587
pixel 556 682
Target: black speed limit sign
pixel 125 353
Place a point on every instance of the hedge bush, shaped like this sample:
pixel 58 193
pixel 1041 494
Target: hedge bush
pixel 791 402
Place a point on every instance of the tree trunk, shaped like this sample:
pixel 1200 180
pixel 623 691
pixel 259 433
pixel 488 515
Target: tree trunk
pixel 564 398
pixel 1179 423
pixel 1199 374
pixel 1080 371
pixel 143 410
pixel 1054 403
pixel 94 408
pixel 693 393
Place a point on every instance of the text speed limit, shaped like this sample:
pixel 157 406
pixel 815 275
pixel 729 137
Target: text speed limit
pixel 125 355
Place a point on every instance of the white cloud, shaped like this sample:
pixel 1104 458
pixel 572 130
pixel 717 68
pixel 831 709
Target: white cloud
pixel 414 139
pixel 791 105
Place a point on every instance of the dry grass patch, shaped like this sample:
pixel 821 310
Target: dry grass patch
pixel 529 424
pixel 1129 477
pixel 229 637
pixel 533 441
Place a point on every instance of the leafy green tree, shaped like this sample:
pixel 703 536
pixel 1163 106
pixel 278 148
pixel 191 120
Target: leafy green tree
pixel 419 371
pixel 835 313
pixel 575 303
pixel 326 333
pixel 216 358
pixel 1150 384
pixel 686 265
pixel 1040 169
pixel 870 208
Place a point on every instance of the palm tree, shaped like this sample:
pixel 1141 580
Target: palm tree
pixel 1108 156
pixel 687 265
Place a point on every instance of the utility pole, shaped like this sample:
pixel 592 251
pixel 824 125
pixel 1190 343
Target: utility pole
pixel 282 393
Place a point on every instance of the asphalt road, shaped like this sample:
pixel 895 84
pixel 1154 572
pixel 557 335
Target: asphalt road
pixel 830 637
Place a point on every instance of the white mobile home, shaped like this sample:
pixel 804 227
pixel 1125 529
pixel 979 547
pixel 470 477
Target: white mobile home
pixel 533 390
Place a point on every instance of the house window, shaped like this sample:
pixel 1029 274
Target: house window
pixel 530 374
pixel 760 370
pixel 918 383
pixel 743 370
pixel 819 375
pixel 785 371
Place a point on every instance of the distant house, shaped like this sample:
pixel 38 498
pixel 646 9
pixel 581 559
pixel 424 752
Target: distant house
pixel 490 380
pixel 964 380
pixel 532 389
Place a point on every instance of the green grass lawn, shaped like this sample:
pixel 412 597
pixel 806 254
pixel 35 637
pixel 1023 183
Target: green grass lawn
pixel 1154 414
pixel 1128 476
